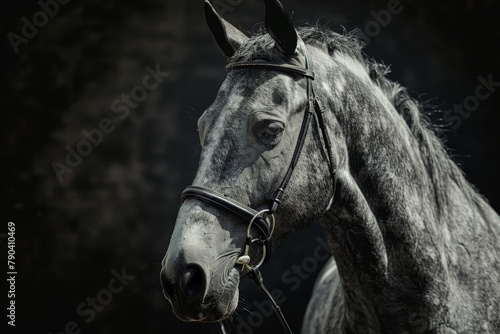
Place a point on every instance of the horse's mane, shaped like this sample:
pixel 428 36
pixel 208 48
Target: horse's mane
pixel 440 167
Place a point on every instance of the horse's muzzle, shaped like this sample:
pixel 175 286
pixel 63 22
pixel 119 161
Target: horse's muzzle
pixel 192 299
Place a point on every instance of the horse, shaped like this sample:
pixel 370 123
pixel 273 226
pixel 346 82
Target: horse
pixel 415 248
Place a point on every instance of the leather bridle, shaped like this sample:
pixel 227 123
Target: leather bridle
pixel 264 220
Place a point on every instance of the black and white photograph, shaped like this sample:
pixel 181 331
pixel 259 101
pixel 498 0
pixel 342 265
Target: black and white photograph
pixel 250 166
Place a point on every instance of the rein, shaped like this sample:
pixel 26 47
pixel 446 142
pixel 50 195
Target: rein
pixel 264 220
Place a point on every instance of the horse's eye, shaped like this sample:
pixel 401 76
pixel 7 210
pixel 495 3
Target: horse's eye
pixel 270 132
pixel 274 129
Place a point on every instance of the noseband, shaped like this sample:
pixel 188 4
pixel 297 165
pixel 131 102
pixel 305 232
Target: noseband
pixel 264 220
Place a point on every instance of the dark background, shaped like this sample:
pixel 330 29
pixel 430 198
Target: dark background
pixel 117 209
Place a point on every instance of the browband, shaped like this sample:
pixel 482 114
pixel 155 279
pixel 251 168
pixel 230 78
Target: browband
pixel 308 73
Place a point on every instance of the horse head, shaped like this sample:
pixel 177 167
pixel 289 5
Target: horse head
pixel 247 137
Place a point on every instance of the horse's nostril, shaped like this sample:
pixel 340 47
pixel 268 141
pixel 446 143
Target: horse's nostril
pixel 193 282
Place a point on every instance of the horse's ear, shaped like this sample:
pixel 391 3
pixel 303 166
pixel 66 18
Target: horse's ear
pixel 227 36
pixel 280 27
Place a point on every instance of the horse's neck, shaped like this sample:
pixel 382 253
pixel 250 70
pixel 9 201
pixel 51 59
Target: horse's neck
pixel 387 209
